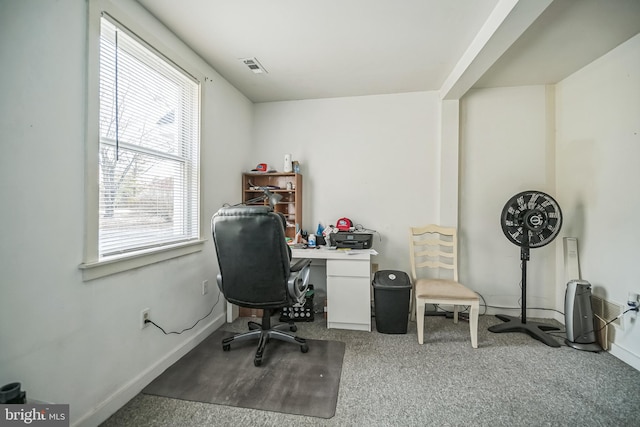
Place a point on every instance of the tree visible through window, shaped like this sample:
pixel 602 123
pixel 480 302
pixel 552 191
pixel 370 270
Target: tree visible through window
pixel 149 147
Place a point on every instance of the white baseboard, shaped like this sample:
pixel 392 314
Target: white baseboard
pixel 625 355
pixel 128 391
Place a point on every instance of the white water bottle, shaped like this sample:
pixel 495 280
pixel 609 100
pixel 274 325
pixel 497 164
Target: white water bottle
pixel 288 166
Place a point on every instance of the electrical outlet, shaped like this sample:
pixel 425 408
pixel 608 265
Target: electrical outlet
pixel 144 316
pixel 632 300
pixel 632 305
pixel 205 287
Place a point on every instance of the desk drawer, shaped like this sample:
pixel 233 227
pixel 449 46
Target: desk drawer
pixel 348 267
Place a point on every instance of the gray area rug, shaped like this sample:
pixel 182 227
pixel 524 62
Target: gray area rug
pixel 288 381
pixel 510 380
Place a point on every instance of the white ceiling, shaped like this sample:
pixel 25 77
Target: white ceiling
pixel 568 35
pixel 334 48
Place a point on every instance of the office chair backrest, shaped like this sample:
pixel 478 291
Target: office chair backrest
pixel 434 252
pixel 253 256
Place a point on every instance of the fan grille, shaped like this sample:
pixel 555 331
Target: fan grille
pixel 531 219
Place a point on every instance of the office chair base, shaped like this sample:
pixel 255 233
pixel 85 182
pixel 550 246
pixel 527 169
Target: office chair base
pixel 263 333
pixel 534 329
pixel 292 327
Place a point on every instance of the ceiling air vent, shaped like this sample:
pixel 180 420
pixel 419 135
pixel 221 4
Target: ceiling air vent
pixel 254 65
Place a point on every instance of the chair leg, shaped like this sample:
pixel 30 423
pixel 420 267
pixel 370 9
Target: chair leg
pixel 412 306
pixel 286 326
pixel 473 323
pixel 264 339
pixel 283 336
pixel 251 335
pixel 420 319
pixel 263 333
pixel 455 313
pixel 265 336
pixel 253 325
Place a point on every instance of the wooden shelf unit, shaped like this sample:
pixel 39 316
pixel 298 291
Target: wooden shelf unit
pixel 290 205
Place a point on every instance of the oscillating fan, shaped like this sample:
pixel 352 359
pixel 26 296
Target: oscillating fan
pixel 530 219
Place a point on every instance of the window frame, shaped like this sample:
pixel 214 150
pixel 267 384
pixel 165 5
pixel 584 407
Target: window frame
pixel 134 21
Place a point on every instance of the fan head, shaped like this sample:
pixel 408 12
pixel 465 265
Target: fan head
pixel 531 219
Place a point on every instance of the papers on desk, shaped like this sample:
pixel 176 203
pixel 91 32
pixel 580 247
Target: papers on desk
pixel 350 251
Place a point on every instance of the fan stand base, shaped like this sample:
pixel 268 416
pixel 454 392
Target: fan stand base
pixel 592 346
pixel 535 329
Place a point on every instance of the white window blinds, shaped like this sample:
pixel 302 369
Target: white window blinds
pixel 149 147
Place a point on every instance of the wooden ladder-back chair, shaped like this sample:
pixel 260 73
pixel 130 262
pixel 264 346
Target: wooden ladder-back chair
pixel 434 269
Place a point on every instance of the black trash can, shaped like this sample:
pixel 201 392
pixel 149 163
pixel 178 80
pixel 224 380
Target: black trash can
pixel 392 291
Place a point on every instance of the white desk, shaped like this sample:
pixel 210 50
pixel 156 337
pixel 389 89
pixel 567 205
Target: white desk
pixel 348 285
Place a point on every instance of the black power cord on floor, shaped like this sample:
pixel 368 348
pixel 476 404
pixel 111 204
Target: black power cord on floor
pixel 185 329
pixel 485 305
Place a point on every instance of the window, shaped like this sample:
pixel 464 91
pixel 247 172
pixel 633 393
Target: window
pixel 147 151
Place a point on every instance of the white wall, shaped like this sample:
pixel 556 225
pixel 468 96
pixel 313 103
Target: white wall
pixel 579 141
pixel 504 150
pixel 598 150
pixel 65 340
pixel 373 159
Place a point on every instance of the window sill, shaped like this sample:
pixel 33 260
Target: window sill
pixel 96 269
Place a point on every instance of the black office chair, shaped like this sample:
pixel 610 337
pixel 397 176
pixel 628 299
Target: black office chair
pixel 256 271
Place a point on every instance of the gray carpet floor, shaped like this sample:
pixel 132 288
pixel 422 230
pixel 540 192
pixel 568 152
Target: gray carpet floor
pixel 511 379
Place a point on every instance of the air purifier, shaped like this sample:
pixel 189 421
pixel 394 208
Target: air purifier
pixel 578 315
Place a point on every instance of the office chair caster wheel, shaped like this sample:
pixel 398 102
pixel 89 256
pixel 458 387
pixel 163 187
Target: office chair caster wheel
pixel 304 348
pixel 293 328
pixel 226 347
pixel 257 362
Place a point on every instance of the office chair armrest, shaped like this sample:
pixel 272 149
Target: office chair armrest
pixel 219 281
pixel 299 265
pixel 298 282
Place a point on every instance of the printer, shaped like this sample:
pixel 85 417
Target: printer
pixel 351 239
